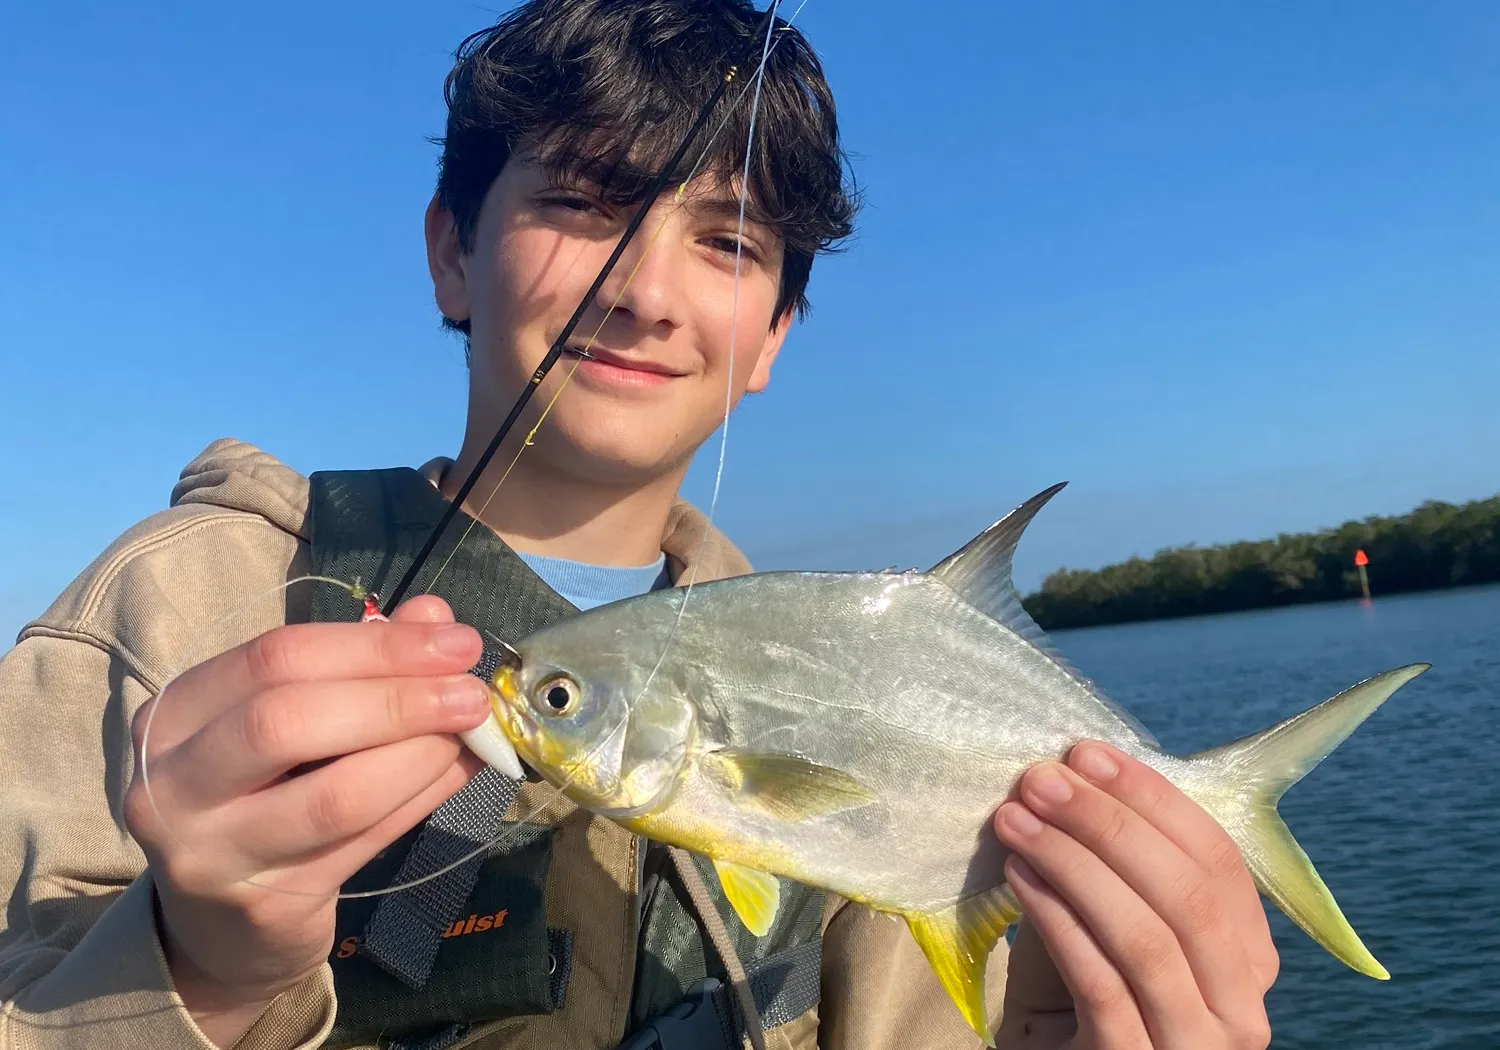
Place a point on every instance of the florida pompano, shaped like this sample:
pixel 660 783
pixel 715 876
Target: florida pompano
pixel 857 731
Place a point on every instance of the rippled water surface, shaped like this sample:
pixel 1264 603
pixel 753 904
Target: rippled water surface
pixel 1402 820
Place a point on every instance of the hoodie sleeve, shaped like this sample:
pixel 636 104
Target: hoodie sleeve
pixel 879 993
pixel 81 962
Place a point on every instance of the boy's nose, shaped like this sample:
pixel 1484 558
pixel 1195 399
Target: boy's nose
pixel 645 284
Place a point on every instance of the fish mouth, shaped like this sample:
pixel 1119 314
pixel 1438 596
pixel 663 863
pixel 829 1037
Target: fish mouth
pixel 511 712
pixel 580 777
pixel 516 720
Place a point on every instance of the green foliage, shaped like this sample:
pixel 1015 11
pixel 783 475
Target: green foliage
pixel 1436 545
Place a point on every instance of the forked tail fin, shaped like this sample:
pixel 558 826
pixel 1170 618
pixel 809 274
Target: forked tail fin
pixel 1258 771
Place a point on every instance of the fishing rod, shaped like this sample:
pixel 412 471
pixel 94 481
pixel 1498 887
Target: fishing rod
pixel 554 354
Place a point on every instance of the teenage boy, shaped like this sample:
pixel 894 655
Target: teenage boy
pixel 312 755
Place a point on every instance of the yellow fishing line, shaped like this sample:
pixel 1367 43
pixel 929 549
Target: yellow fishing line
pixel 559 790
pixel 358 592
pixel 575 768
pixel 531 435
pixel 678 197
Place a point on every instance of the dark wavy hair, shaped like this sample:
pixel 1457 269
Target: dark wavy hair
pixel 604 90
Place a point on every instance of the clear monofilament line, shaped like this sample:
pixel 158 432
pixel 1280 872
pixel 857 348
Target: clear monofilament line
pixel 583 762
pixel 734 309
pixel 356 591
pixel 567 378
pixel 703 154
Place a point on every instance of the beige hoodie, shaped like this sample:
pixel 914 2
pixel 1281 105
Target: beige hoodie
pixel 81 963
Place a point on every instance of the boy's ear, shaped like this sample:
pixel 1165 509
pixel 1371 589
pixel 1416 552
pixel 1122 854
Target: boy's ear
pixel 445 262
pixel 769 349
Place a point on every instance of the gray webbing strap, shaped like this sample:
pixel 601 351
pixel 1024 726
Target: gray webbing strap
pixel 786 985
pixel 404 933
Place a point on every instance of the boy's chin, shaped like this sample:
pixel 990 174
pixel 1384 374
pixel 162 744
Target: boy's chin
pixel 617 459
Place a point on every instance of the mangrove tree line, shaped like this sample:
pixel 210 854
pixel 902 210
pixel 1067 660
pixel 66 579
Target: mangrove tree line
pixel 1436 545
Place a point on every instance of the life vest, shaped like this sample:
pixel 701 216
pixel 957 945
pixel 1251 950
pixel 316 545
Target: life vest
pixel 573 932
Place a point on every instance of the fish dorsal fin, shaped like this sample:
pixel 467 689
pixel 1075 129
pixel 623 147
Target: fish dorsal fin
pixel 784 786
pixel 958 941
pixel 980 573
pixel 754 895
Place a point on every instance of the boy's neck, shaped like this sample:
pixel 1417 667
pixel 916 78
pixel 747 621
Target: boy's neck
pixel 542 511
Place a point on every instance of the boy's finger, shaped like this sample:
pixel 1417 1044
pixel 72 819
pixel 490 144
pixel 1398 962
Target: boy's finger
pixel 256 742
pixel 202 693
pixel 334 804
pixel 323 652
pixel 316 652
pixel 1194 832
pixel 1102 1001
pixel 424 608
pixel 1194 907
pixel 1138 942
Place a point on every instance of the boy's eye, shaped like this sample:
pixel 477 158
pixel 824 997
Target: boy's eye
pixel 728 245
pixel 569 202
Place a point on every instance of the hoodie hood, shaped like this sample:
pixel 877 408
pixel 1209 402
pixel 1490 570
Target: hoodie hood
pixel 235 475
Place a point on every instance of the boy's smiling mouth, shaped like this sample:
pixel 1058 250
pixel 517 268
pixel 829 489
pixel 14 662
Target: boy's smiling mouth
pixel 621 369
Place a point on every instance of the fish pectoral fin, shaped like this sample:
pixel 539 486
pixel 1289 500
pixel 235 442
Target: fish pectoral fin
pixel 958 941
pixel 784 786
pixel 754 895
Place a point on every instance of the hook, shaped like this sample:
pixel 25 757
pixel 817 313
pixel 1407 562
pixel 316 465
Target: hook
pixel 510 655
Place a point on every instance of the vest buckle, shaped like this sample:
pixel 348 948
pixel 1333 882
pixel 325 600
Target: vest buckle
pixel 691 1024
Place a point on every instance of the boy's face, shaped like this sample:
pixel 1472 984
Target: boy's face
pixel 657 389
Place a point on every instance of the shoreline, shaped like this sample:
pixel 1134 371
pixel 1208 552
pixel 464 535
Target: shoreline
pixel 1435 547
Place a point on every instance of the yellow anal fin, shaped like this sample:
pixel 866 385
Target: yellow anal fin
pixel 754 895
pixel 957 942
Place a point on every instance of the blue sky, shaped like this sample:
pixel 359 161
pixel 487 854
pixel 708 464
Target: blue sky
pixel 1230 270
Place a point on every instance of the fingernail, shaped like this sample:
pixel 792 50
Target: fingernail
pixel 464 694
pixel 1021 820
pixel 453 639
pixel 1049 785
pixel 1094 762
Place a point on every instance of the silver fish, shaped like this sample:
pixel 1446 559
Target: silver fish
pixel 857 731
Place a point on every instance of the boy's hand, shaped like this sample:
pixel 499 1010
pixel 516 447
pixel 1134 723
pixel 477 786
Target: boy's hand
pixel 1143 927
pixel 375 706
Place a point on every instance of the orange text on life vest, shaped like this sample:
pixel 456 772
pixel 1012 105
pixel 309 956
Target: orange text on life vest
pixel 473 924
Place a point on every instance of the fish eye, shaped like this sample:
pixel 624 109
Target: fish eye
pixel 557 695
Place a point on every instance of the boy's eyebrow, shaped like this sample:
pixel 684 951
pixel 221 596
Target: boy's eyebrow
pixel 620 178
pixel 715 207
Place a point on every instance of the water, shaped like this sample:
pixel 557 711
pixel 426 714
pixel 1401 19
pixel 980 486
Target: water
pixel 1402 820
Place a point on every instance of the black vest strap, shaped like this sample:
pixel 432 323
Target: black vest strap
pixel 369 525
pixel 413 970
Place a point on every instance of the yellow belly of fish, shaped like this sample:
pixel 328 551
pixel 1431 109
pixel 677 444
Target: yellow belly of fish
pixel 957 941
